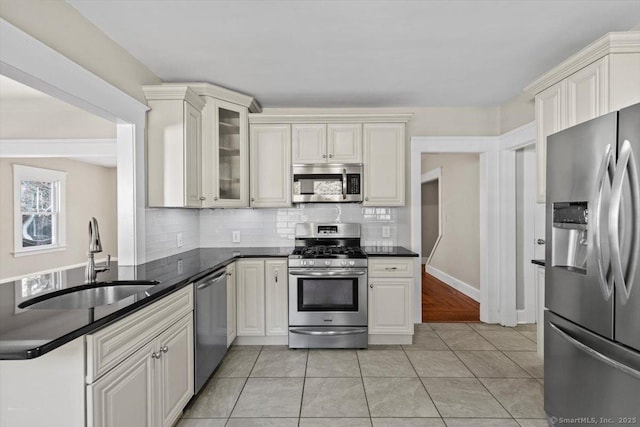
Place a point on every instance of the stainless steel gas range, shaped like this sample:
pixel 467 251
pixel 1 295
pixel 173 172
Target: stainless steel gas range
pixel 328 287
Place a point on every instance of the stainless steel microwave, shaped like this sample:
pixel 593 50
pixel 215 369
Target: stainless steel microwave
pixel 327 183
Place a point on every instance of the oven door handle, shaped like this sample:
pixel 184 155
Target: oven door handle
pixel 326 273
pixel 330 332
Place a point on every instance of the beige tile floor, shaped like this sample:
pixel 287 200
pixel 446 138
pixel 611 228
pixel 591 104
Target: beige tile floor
pixel 455 374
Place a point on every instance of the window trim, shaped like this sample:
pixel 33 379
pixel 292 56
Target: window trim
pixel 30 173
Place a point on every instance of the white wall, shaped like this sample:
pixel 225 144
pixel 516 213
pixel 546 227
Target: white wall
pixel 91 191
pixel 458 253
pixel 430 212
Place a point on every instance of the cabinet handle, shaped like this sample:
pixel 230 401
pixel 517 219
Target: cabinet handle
pixel 202 198
pixel 155 355
pixel 371 286
pixel 391 268
pixel 276 276
pixel 215 198
pixel 540 241
pixel 164 349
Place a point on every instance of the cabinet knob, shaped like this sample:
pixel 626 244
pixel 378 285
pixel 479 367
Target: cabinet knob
pixel 371 286
pixel 229 274
pixel 215 198
pixel 253 200
pixel 202 198
pixel 164 349
pixel 391 268
pixel 330 155
pixel 155 355
pixel 324 156
pixel 276 276
pixel 366 199
pixel 540 241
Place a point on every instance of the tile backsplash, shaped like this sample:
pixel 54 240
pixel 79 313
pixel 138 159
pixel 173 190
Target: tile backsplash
pixel 162 227
pixel 276 227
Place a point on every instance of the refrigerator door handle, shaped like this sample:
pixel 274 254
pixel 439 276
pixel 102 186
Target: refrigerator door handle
pixel 595 354
pixel 626 160
pixel 607 169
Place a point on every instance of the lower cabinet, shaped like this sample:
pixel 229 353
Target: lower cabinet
pixel 151 385
pixel 390 292
pixel 262 292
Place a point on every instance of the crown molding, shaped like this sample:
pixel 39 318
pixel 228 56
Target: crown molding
pixel 328 118
pixel 610 43
pixel 219 92
pixel 181 92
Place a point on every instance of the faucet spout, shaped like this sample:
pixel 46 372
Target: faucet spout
pixel 95 246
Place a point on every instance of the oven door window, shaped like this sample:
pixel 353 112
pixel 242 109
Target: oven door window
pixel 328 294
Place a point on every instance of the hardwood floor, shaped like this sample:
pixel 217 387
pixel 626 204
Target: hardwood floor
pixel 442 303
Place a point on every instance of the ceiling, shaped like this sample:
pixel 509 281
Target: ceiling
pixel 359 53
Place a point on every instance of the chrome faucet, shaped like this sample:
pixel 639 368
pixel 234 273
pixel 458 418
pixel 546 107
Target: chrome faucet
pixel 95 246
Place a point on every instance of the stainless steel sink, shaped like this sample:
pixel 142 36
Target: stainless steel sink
pixel 89 296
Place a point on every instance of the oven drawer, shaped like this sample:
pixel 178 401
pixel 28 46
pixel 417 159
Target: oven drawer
pixel 390 267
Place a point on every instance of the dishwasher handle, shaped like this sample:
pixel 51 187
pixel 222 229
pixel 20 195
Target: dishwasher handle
pixel 208 281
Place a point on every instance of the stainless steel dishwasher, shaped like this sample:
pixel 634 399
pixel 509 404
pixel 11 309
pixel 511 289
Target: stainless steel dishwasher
pixel 210 325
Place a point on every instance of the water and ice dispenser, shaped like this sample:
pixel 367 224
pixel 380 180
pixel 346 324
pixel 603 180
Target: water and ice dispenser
pixel 569 236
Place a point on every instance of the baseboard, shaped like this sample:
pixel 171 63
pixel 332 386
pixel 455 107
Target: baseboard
pixel 272 340
pixel 456 284
pixel 390 339
pixel 524 317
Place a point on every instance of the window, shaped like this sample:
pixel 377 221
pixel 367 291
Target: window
pixel 39 216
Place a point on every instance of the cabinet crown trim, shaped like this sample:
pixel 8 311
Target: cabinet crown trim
pixel 219 92
pixel 610 43
pixel 176 92
pixel 329 118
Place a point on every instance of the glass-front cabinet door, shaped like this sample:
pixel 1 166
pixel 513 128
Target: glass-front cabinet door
pixel 226 157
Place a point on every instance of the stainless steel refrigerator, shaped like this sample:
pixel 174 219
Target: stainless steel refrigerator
pixel 592 294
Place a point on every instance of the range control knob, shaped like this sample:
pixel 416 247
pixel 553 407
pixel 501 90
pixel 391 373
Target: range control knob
pixel 327 262
pixel 303 262
pixel 352 262
pixel 311 262
pixel 343 262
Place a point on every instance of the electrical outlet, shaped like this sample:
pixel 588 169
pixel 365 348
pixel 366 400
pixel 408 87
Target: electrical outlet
pixel 179 240
pixel 386 231
pixel 180 266
pixel 235 237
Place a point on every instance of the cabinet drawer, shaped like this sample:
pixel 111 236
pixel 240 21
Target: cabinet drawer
pixel 390 267
pixel 111 345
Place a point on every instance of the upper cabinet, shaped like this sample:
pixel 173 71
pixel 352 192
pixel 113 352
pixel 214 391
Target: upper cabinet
pixel 384 170
pixel 603 77
pixel 375 140
pixel 174 146
pixel 216 147
pixel 270 165
pixel 314 143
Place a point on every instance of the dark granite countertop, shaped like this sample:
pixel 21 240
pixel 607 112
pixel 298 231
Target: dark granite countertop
pixel 25 333
pixel 540 262
pixel 390 251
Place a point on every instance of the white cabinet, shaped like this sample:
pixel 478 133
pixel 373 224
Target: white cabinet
pixel 250 288
pixel 309 143
pixel 384 158
pixel 262 286
pixel 603 77
pixel 270 152
pixel 173 147
pixel 276 298
pixel 140 370
pixel 225 154
pixel 390 291
pixel 327 143
pixel 231 304
pixel 151 387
